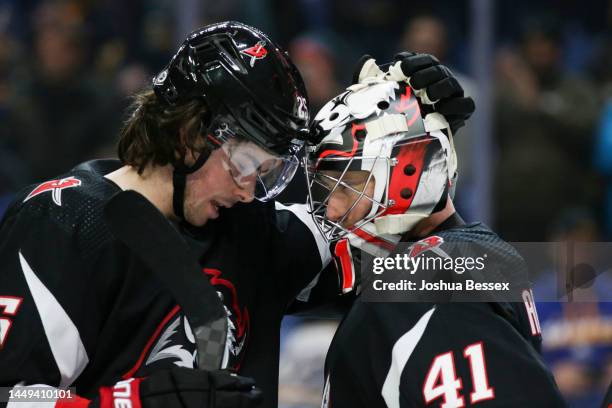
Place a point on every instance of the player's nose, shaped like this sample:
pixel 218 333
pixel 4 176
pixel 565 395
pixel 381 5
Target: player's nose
pixel 336 207
pixel 245 192
pixel 245 196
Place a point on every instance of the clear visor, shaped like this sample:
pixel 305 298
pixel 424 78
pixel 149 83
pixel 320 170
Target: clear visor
pixel 257 170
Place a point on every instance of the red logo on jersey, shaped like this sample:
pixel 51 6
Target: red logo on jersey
pixel 56 187
pixel 424 245
pixel 239 320
pixel 256 52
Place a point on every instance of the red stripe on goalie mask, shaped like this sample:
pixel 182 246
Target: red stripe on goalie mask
pixel 354 129
pixel 405 106
pixel 411 154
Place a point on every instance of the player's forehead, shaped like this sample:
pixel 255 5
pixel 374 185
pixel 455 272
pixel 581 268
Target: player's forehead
pixel 237 143
pixel 350 176
pixel 241 147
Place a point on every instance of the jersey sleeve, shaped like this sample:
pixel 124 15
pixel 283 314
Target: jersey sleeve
pixel 336 287
pixel 300 250
pixel 49 303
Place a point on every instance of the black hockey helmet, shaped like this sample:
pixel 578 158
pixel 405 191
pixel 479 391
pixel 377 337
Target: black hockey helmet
pixel 252 91
pixel 249 84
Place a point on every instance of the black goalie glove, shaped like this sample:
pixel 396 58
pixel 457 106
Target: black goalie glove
pixel 438 89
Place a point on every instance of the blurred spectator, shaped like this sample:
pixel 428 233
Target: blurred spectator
pixel 131 79
pixel 315 60
pixel 302 362
pixel 544 127
pixel 13 172
pixel 157 38
pixel 601 72
pixel 372 26
pixel 427 33
pixel 13 175
pixel 577 335
pixel 600 66
pixel 58 116
pixel 603 163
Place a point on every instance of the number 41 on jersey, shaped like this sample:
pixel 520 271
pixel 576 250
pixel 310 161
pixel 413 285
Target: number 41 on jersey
pixel 442 381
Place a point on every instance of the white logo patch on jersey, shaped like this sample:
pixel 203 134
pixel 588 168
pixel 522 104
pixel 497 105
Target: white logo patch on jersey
pixel 183 357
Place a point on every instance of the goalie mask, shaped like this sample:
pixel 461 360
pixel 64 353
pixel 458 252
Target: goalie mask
pixel 377 149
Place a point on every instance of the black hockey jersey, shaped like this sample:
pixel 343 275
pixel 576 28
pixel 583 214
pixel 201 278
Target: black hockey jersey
pixel 442 354
pixel 78 309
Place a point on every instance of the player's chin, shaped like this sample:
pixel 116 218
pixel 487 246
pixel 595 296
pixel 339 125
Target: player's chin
pixel 201 216
pixel 349 225
pixel 355 218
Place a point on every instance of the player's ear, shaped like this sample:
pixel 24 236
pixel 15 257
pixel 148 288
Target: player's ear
pixel 183 150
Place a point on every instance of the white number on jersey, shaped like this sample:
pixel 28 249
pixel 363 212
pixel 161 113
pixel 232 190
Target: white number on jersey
pixel 8 306
pixel 442 381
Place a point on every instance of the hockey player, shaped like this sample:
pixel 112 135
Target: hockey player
pixel 78 308
pixel 383 174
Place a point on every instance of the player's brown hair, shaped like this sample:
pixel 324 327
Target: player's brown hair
pixel 159 134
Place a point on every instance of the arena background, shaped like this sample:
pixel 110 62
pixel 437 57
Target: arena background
pixel 535 160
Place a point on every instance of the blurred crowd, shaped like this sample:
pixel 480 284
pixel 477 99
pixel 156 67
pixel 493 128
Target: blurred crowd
pixel 68 67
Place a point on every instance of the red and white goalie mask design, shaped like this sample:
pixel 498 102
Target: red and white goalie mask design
pixel 379 159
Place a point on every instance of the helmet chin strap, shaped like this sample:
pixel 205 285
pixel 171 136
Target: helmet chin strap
pixel 179 181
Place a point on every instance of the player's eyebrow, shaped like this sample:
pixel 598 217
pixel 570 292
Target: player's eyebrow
pixel 356 177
